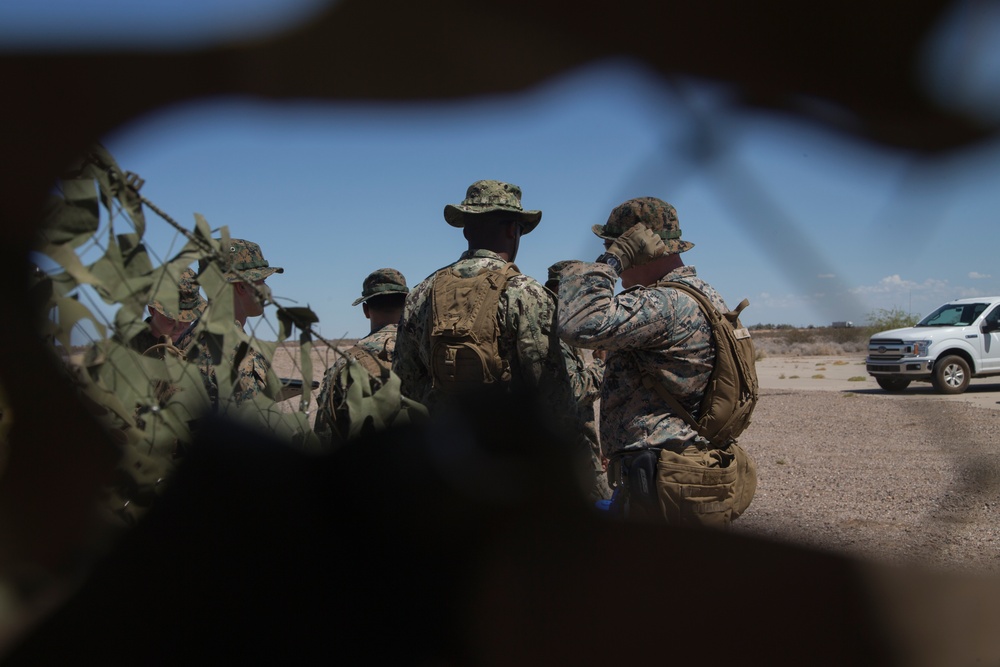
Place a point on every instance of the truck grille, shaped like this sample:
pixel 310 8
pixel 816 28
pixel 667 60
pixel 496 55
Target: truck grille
pixel 883 368
pixel 885 349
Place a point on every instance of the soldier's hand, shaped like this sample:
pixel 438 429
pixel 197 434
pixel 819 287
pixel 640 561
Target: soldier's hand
pixel 637 245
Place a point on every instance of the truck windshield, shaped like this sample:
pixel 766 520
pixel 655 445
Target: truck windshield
pixel 954 315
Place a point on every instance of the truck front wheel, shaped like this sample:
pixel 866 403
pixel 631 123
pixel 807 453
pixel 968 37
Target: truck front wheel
pixel 951 375
pixel 892 384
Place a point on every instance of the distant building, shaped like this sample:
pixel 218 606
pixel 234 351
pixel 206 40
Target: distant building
pixel 843 325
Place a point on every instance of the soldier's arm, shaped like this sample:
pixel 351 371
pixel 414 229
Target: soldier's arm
pixel 531 319
pixel 323 426
pixel 407 362
pixel 253 378
pixel 592 316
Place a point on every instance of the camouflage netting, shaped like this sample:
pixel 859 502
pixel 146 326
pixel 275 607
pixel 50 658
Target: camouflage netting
pixel 152 399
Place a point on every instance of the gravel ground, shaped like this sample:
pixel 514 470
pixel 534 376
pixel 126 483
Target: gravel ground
pixel 905 479
pixel 884 478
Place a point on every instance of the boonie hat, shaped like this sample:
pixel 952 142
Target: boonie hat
pixel 190 303
pixel 247 260
pixel 382 281
pixel 488 197
pixel 657 215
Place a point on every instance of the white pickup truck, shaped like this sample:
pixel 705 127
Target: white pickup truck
pixel 957 342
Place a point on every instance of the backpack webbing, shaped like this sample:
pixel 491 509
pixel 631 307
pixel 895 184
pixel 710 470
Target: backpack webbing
pixel 464 336
pixel 732 390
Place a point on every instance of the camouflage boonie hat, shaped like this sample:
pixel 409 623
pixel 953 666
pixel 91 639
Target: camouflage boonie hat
pixel 248 260
pixel 382 281
pixel 487 197
pixel 189 300
pixel 656 214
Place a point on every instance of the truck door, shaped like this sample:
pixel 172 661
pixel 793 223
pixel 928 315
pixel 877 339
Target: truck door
pixel 991 341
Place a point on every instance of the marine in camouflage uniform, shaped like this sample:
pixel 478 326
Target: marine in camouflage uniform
pixel 382 296
pixel 170 329
pixel 493 222
pixel 145 466
pixel 645 329
pixel 247 271
pixel 169 326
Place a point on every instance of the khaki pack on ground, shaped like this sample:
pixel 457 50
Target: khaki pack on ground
pixel 465 332
pixel 732 391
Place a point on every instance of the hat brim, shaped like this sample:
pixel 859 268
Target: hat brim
pixel 254 274
pixel 459 216
pixel 186 315
pixel 401 290
pixel 673 246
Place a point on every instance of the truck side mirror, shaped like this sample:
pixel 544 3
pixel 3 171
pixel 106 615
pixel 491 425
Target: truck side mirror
pixel 988 326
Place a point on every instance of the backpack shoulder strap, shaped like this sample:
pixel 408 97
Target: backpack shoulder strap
pixel 709 308
pixel 714 315
pixel 649 381
pixel 370 361
pixel 463 306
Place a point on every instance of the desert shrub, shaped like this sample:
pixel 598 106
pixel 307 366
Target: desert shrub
pixel 800 336
pixel 883 319
pixel 812 343
pixel 847 335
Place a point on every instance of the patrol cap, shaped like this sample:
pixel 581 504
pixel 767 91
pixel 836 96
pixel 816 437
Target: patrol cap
pixel 488 197
pixel 657 215
pixel 189 300
pixel 382 281
pixel 247 260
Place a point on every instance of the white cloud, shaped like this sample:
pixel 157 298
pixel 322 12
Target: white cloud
pixel 896 284
pixel 975 275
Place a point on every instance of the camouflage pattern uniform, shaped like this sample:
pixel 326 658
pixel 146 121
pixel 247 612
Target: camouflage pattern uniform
pixel 143 468
pixel 526 312
pixel 381 343
pixel 251 375
pixel 191 305
pixel 586 375
pixel 245 263
pixel 644 329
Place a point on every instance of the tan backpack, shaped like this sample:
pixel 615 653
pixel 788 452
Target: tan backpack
pixel 366 396
pixel 465 333
pixel 732 390
pixel 378 364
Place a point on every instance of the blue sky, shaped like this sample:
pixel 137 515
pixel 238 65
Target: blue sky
pixel 811 226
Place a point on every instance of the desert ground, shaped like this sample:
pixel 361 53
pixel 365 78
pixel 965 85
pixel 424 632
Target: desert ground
pixel 910 478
